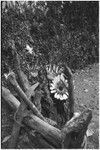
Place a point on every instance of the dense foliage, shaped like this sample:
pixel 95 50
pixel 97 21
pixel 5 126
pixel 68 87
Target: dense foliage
pixel 61 31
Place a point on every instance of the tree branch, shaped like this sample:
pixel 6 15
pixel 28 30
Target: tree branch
pixel 22 108
pixel 35 123
pixel 12 79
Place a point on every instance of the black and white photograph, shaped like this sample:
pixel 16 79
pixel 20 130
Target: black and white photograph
pixel 49 74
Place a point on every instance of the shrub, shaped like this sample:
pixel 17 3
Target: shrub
pixel 57 31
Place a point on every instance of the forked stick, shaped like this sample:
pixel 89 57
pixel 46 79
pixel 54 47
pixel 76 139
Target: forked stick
pixel 12 79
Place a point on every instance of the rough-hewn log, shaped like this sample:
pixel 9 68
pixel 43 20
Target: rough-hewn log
pixel 10 99
pixel 77 125
pixel 52 134
pixel 42 143
pixel 38 141
pixel 14 103
pixel 19 118
pixel 16 127
pixel 11 78
pixel 23 81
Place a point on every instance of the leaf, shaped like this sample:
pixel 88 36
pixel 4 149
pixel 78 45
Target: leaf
pixel 6 138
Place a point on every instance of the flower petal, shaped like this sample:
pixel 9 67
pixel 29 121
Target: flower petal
pixel 52 88
pixel 54 67
pixel 58 78
pixel 61 97
pixel 55 81
pixel 57 69
pixel 55 95
pixel 65 96
pixel 50 68
pixel 62 77
pixel 66 81
pixel 67 93
pixel 53 91
pixel 51 84
pixel 52 72
pixel 66 84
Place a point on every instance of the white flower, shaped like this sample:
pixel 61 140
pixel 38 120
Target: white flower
pixel 30 49
pixel 59 87
pixel 52 71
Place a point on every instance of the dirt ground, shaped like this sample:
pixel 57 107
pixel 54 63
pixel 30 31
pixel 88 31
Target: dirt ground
pixel 86 84
pixel 86 93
